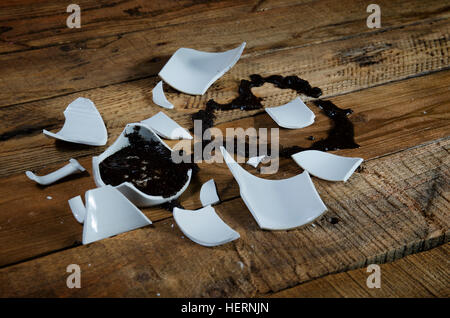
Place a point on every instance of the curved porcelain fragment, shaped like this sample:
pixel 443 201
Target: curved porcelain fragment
pixel 108 213
pixel 326 165
pixel 136 196
pixel 255 161
pixel 72 167
pixel 78 209
pixel 208 193
pixel 159 98
pixel 166 127
pixel 204 226
pixel 277 204
pixel 193 72
pixel 83 125
pixel 293 115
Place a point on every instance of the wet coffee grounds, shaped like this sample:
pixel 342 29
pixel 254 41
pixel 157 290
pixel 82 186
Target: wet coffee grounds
pixel 148 165
pixel 340 136
pixel 169 206
pixel 246 100
pixel 333 220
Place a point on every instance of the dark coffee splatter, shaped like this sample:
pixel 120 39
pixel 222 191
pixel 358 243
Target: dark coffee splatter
pixel 340 136
pixel 333 220
pixel 169 206
pixel 148 165
pixel 293 82
pixel 246 100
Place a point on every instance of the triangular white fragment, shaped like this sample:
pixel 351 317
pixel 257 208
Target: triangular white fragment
pixel 108 213
pixel 208 193
pixel 72 167
pixel 277 204
pixel 159 98
pixel 193 72
pixel 327 166
pixel 204 226
pixel 83 125
pixel 255 161
pixel 166 127
pixel 293 115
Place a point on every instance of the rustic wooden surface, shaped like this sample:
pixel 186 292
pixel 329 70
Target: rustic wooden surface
pixel 395 78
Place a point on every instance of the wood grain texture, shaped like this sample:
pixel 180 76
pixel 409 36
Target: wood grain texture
pixel 387 119
pixel 396 79
pixel 398 205
pixel 339 67
pixel 423 274
pixel 27 24
pixel 51 71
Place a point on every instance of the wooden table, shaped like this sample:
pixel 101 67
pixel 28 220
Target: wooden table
pixel 394 212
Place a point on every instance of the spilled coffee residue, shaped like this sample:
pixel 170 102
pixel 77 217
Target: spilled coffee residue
pixel 248 101
pixel 148 165
pixel 170 205
pixel 340 136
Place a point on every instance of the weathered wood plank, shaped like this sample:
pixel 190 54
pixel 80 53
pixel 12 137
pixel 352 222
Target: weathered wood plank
pixel 423 274
pixel 387 119
pixel 30 25
pixel 337 67
pixel 96 62
pixel 380 220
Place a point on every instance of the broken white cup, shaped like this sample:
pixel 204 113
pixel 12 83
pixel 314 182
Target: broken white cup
pixel 293 115
pixel 159 98
pixel 72 167
pixel 327 166
pixel 277 204
pixel 107 213
pixel 83 125
pixel 193 72
pixel 136 196
pixel 204 226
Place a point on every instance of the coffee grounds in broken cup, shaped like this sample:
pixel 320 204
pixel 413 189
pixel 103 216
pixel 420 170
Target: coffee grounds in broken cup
pixel 148 165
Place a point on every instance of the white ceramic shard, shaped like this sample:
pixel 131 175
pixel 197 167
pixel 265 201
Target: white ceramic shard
pixel 159 98
pixel 204 226
pixel 72 167
pixel 83 125
pixel 277 204
pixel 208 193
pixel 193 72
pixel 136 196
pixel 166 127
pixel 326 165
pixel 255 161
pixel 78 209
pixel 293 115
pixel 108 213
